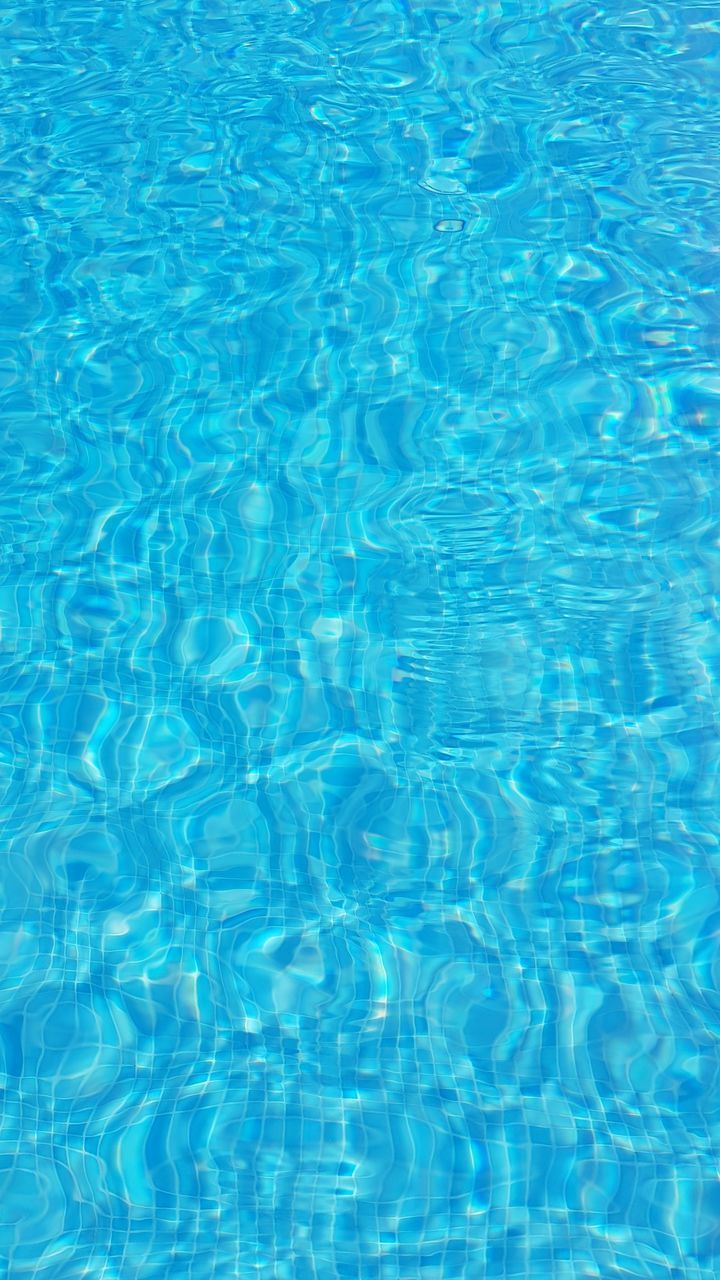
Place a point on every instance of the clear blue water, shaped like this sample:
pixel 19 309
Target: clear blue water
pixel 359 700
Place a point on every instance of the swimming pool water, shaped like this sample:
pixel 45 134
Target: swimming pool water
pixel 359 426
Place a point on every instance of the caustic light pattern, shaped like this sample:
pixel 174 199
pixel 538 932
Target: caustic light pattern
pixel 359 648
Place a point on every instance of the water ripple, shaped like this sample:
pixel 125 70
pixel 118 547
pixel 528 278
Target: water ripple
pixel 358 641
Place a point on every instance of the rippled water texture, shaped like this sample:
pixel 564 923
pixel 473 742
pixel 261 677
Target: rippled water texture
pixel 359 897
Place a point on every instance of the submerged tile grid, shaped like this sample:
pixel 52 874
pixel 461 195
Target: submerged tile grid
pixel 359 649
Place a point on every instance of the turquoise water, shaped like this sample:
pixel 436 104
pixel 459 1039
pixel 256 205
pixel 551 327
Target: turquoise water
pixel 359 640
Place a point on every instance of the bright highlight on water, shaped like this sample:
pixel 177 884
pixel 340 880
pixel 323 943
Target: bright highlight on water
pixel 359 704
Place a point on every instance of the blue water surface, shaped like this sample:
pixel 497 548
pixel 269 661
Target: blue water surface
pixel 360 650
